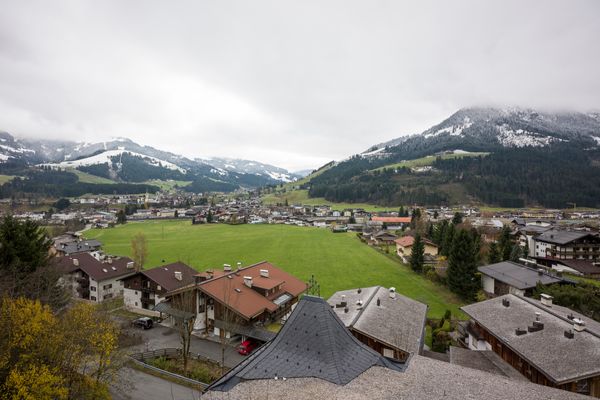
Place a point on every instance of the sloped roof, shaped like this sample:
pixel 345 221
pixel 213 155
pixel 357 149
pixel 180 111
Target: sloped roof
pixel 164 275
pixel 424 379
pixel 229 289
pixel 97 270
pixel 561 359
pixel 392 220
pixel 562 237
pixel 312 344
pixel 398 321
pixel 517 275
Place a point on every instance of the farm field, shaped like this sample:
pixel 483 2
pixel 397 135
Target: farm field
pixel 428 160
pixel 338 261
pixel 300 196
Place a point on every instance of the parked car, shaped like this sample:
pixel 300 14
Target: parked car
pixel 143 322
pixel 246 347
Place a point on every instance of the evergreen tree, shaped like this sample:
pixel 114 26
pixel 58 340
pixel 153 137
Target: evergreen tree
pixel 493 254
pixel 505 244
pixel 516 253
pixel 209 217
pixel 417 256
pixel 462 267
pixel 448 240
pixel 457 219
pixel 121 217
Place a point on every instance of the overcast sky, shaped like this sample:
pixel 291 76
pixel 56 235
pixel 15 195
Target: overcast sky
pixel 295 84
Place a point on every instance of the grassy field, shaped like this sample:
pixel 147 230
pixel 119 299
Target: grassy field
pixel 167 185
pixel 421 162
pixel 301 197
pixel 338 261
pixel 89 178
pixel 6 178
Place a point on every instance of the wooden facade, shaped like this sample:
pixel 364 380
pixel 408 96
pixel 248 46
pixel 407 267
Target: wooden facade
pixel 586 385
pixel 380 347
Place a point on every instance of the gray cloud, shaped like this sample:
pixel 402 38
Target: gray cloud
pixel 295 84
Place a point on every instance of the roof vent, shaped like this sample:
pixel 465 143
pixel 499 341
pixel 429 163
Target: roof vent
pixel 248 281
pixel 346 309
pixel 378 302
pixel 130 265
pixel 226 267
pixel 178 275
pixel 104 270
pixel 537 316
pixel 239 265
pixel 264 273
pixel 113 268
pixel 540 271
pixel 392 293
pixel 506 302
pixel 578 324
pixel 546 299
pixel 76 262
pixel 359 303
pixel 537 326
pixel 238 290
pixel 569 334
pixel 571 316
pixel 109 260
pixel 359 290
pixel 520 331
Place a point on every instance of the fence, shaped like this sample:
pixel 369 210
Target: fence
pixel 139 359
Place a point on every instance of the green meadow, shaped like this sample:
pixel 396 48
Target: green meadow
pixel 337 260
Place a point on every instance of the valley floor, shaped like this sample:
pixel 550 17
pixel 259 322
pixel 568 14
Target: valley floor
pixel 338 261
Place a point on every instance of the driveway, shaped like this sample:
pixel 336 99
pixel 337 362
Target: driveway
pixel 148 387
pixel 160 337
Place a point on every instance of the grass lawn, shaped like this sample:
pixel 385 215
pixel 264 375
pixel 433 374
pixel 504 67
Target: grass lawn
pixel 428 160
pixel 301 197
pixel 6 178
pixel 167 184
pixel 338 261
pixel 84 177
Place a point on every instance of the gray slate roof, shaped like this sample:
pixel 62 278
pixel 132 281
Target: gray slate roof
pixel 399 321
pixel 487 361
pixel 517 275
pixel 313 343
pixel 559 358
pixel 561 237
pixel 424 379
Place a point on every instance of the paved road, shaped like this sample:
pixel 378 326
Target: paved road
pixel 148 387
pixel 160 337
pixel 142 386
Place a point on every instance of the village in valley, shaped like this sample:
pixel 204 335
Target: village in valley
pixel 233 318
pixel 330 200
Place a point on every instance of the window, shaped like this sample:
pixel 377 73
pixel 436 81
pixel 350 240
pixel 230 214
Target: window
pixel 93 298
pixel 121 283
pixel 107 296
pixel 136 304
pixel 135 292
pixel 109 286
pixel 201 308
pixel 157 287
pixel 93 288
pixel 583 386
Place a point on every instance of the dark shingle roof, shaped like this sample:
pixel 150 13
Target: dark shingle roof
pixel 313 343
pixel 562 237
pixel 561 359
pixel 164 275
pixel 397 321
pixel 517 275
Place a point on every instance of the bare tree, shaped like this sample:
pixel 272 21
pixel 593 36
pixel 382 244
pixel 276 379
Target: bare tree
pixel 139 250
pixel 227 318
pixel 185 317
